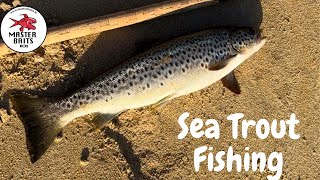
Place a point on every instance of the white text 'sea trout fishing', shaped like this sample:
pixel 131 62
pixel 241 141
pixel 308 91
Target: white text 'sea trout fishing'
pixel 175 68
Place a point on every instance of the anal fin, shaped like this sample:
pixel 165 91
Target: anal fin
pixel 100 120
pixel 231 82
pixel 162 102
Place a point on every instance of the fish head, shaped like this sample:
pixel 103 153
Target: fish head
pixel 32 20
pixel 243 39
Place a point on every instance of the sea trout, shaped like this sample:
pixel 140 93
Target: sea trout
pixel 169 70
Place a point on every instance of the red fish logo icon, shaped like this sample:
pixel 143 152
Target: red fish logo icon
pixel 25 22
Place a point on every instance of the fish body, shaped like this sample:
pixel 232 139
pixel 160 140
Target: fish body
pixel 176 68
pixel 25 22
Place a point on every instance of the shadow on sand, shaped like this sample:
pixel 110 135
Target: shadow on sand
pixel 127 151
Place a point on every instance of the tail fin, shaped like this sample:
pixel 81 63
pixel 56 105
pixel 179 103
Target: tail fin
pixel 40 123
pixel 15 22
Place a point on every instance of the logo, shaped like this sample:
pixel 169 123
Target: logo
pixel 23 29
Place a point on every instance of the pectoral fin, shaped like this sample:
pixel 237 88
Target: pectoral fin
pixel 217 66
pixel 101 119
pixel 220 64
pixel 230 82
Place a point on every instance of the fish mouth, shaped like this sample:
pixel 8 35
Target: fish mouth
pixel 259 37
